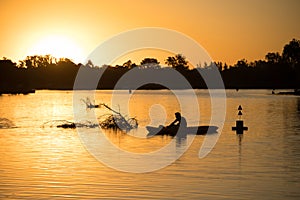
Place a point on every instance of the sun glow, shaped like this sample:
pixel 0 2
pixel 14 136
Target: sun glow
pixel 59 47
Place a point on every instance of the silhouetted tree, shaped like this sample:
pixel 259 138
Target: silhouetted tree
pixel 149 60
pixel 291 55
pixel 66 60
pixel 128 64
pixel 219 65
pixel 47 72
pixel 291 52
pixel 226 67
pixel 273 57
pixel 90 64
pixel 150 63
pixel 178 62
pixel 242 63
pixel 10 79
pixel 38 61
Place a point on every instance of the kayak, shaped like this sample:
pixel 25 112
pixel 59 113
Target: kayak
pixel 172 131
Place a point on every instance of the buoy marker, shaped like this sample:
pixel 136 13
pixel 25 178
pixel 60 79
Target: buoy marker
pixel 239 127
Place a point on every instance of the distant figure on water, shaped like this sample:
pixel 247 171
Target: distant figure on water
pixel 179 121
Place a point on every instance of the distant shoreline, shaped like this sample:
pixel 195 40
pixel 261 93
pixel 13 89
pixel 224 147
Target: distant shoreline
pixel 279 91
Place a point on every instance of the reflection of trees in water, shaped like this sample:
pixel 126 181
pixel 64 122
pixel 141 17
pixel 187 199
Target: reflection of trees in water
pixel 291 114
pixel 290 147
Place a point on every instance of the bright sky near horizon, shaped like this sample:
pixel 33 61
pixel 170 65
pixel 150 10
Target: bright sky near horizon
pixel 229 30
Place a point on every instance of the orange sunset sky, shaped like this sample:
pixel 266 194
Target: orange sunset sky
pixel 229 30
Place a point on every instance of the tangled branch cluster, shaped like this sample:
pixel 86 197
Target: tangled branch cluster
pixel 117 121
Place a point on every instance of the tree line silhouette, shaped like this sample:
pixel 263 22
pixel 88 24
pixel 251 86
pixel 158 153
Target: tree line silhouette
pixel 276 71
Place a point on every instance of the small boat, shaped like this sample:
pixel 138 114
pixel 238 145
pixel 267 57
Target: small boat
pixel 172 131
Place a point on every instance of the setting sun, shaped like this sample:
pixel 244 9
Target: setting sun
pixel 59 47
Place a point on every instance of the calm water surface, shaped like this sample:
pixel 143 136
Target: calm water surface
pixel 43 162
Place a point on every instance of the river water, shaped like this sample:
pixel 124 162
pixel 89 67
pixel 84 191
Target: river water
pixel 40 161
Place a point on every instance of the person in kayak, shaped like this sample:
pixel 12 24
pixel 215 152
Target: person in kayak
pixel 179 121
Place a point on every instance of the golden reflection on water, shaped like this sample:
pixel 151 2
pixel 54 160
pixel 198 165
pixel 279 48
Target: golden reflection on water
pixel 129 143
pixel 51 163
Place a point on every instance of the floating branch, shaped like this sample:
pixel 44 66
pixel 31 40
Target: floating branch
pixel 6 123
pixel 117 120
pixel 114 121
pixel 89 104
pixel 69 124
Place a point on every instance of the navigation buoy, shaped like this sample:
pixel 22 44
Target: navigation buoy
pixel 240 108
pixel 240 128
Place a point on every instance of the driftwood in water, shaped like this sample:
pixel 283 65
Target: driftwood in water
pixel 69 124
pixel 114 121
pixel 89 104
pixel 117 120
pixel 6 123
